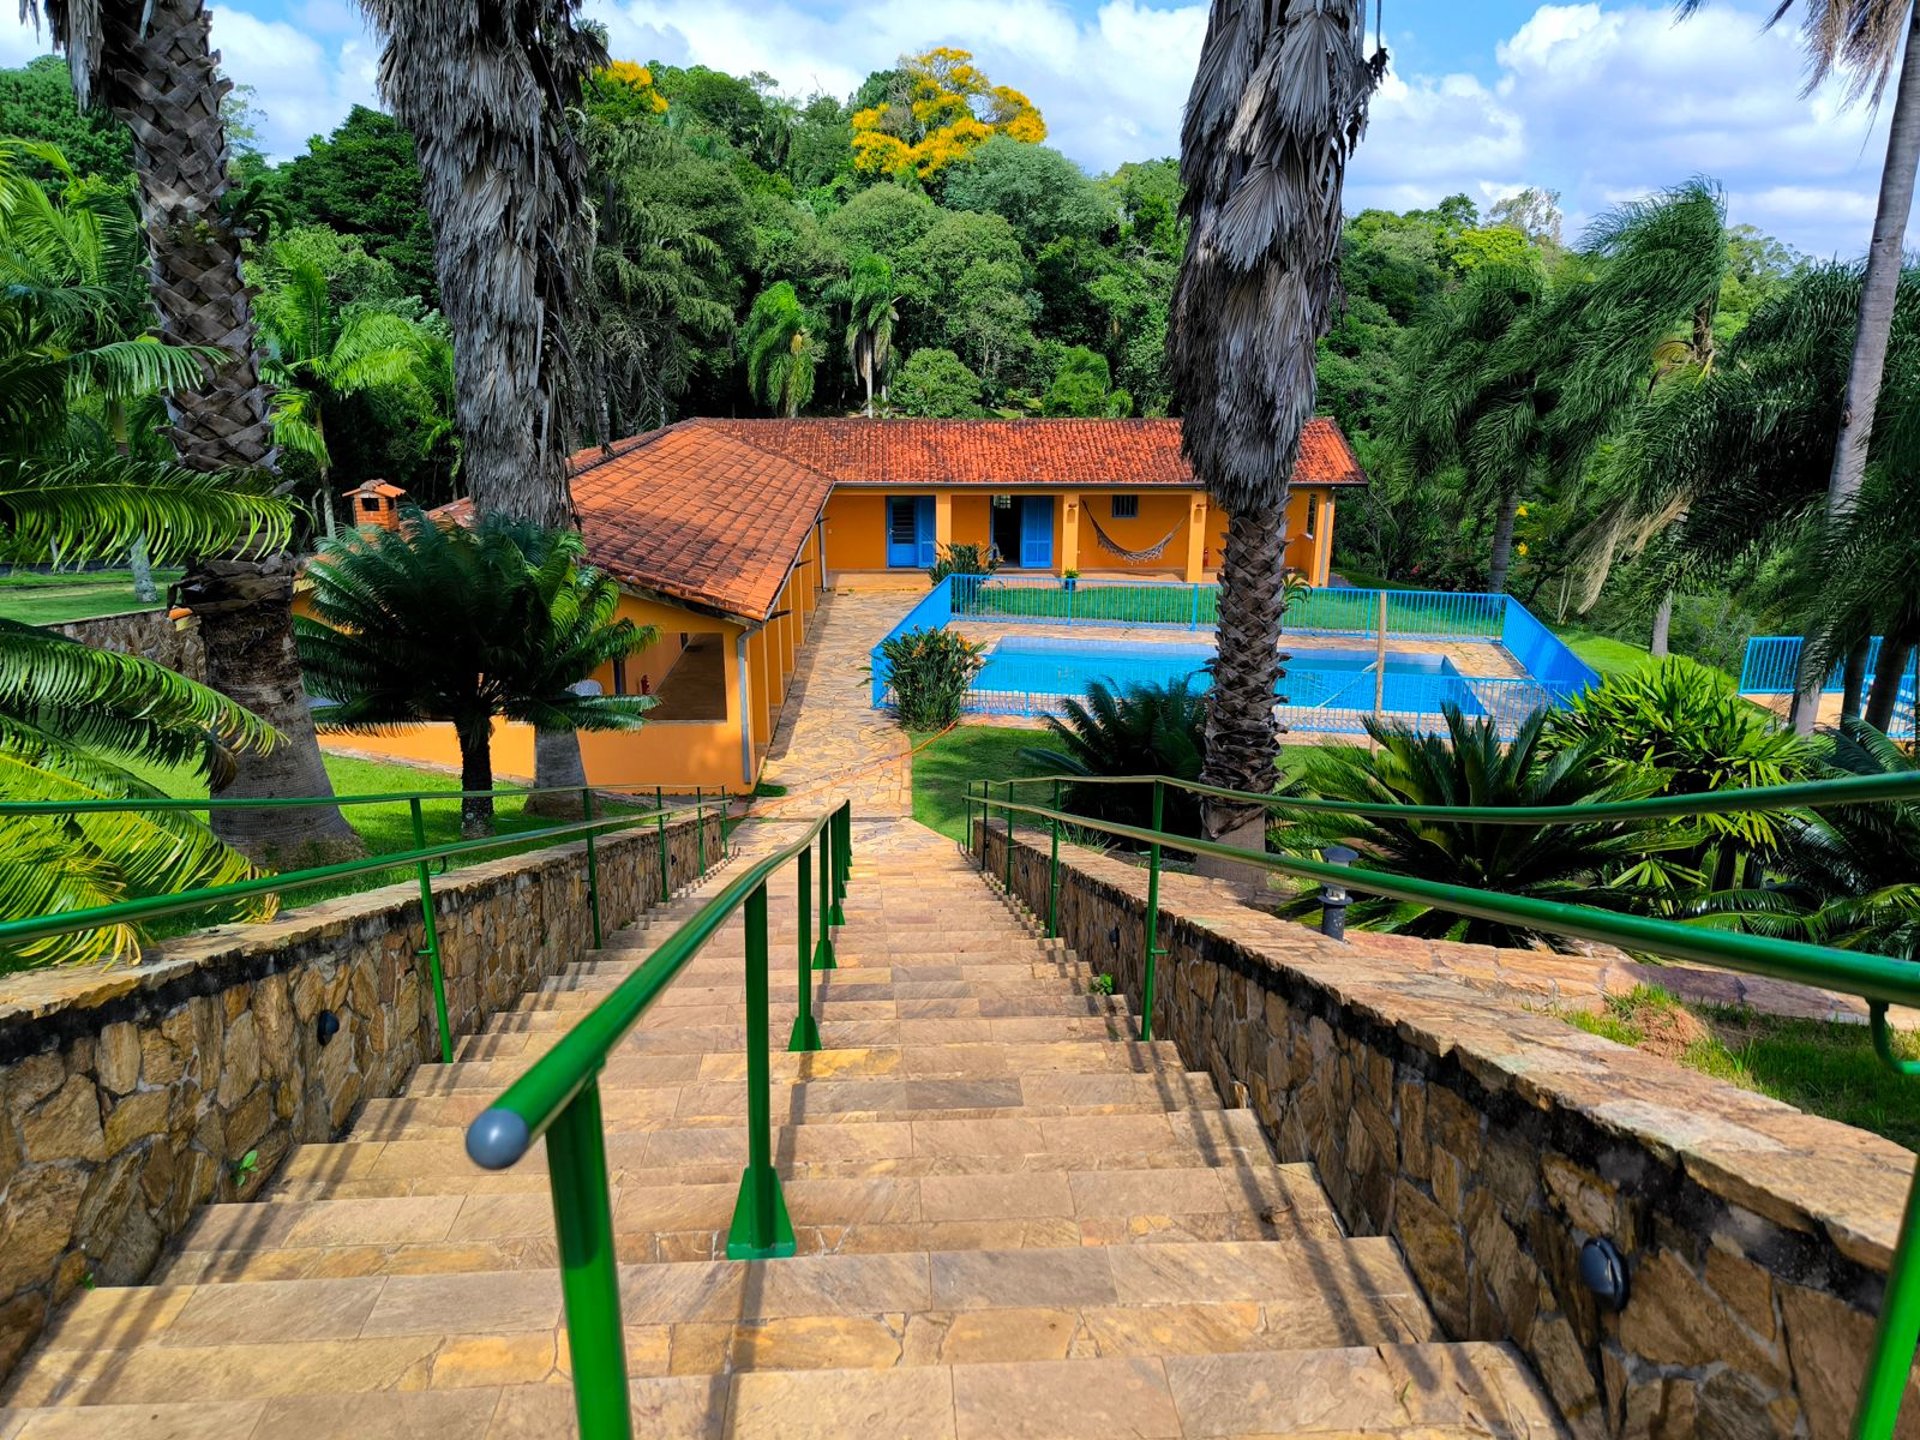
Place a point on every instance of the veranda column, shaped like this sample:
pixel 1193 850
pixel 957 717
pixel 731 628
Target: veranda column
pixel 1197 540
pixel 942 520
pixel 1069 533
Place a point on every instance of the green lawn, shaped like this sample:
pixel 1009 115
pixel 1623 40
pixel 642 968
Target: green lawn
pixel 968 752
pixel 35 599
pixel 386 828
pixel 1823 1068
pixel 1606 655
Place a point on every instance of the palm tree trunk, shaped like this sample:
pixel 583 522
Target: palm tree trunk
pixel 557 763
pixel 1855 682
pixel 1242 730
pixel 1662 626
pixel 245 609
pixel 866 373
pixel 1503 521
pixel 158 74
pixel 1895 650
pixel 476 775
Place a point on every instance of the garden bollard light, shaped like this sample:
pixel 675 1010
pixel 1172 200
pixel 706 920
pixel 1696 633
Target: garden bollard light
pixel 1334 899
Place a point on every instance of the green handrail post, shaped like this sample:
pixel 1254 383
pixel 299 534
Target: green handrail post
pixel 823 956
pixel 842 827
pixel 699 830
pixel 432 934
pixel 760 1229
pixel 1896 1335
pixel 666 879
pixel 1053 869
pixel 1009 839
pixel 1152 958
pixel 593 865
pixel 806 1030
pixel 589 1280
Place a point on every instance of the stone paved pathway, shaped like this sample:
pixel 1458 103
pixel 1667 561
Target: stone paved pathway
pixel 1013 1221
pixel 831 744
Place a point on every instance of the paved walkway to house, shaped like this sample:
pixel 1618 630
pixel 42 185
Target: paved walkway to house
pixel 831 744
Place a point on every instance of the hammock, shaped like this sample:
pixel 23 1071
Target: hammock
pixel 1134 557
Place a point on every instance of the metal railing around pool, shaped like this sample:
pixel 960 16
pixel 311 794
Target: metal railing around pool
pixel 1880 980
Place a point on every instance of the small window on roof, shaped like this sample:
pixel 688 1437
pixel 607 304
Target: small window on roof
pixel 1126 507
pixel 1313 516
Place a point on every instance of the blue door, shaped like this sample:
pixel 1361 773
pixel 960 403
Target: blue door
pixel 1036 532
pixel 910 532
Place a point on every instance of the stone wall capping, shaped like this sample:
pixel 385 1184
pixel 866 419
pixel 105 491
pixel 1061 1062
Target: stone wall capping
pixel 1491 1139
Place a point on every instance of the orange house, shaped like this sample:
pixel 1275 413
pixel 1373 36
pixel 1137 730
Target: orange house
pixel 724 534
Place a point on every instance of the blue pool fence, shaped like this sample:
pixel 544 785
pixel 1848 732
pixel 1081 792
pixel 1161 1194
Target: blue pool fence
pixel 1327 701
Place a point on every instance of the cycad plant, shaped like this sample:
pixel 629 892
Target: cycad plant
pixel 446 623
pixel 1686 728
pixel 1612 865
pixel 73 717
pixel 1849 876
pixel 1141 729
pixel 781 355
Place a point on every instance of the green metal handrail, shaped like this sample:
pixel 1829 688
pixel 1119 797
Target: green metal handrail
pixel 423 857
pixel 1801 795
pixel 559 1097
pixel 1879 980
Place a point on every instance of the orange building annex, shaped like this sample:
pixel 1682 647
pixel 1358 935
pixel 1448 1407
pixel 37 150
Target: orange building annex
pixel 724 535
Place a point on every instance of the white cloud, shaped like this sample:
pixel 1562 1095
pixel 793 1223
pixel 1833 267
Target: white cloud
pixel 1605 103
pixel 1600 101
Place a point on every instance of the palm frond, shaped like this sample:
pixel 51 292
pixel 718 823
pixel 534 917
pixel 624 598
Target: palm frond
pixel 94 509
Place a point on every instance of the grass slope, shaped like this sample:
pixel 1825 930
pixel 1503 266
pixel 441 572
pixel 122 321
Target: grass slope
pixel 35 599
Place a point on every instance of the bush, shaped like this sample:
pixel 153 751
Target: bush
pixel 930 671
pixel 964 560
pixel 1687 727
pixel 1142 730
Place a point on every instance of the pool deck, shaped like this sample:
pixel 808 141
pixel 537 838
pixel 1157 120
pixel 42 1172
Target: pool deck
pixel 1476 659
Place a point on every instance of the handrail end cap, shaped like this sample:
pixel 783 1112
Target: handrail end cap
pixel 497 1139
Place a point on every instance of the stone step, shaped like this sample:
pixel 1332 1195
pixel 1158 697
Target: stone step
pixel 819 1102
pixel 563 1010
pixel 662 1224
pixel 1420 1391
pixel 711 1155
pixel 713 970
pixel 981 1060
pixel 834 1034
pixel 829 987
pixel 897 1310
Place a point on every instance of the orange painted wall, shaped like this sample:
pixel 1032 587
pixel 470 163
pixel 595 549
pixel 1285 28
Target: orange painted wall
pixel 1310 556
pixel 857 530
pixel 1159 512
pixel 972 520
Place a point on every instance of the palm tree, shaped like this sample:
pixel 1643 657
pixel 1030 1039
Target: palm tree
pixel 1862 579
pixel 71 716
pixel 485 90
pixel 1865 39
pixel 455 624
pixel 1602 863
pixel 1144 729
pixel 1278 103
pixel 148 62
pixel 778 340
pixel 316 353
pixel 871 316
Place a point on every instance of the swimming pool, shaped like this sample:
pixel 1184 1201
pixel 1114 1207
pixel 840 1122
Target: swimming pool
pixel 1030 676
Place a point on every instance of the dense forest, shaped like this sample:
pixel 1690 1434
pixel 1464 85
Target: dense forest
pixel 914 248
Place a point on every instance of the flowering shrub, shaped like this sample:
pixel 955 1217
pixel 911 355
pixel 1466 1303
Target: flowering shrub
pixel 930 671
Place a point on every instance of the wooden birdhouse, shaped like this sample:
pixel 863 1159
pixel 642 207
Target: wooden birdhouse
pixel 377 504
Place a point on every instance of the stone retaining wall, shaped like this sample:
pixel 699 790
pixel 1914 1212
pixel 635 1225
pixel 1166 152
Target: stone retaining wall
pixel 147 633
pixel 1491 1142
pixel 131 1095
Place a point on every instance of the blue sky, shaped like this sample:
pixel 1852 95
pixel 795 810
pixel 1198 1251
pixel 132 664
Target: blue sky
pixel 1602 101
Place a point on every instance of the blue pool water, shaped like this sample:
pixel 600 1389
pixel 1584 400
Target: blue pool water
pixel 1344 678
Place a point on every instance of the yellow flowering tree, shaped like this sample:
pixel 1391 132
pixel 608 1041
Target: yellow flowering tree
pixel 624 90
pixel 942 109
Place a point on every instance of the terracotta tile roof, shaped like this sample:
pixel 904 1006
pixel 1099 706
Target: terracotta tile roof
pixel 713 512
pixel 1015 452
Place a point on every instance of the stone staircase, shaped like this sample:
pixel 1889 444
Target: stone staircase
pixel 1013 1220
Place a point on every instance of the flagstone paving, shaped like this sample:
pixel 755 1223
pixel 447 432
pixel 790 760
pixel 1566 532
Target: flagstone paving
pixel 1013 1219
